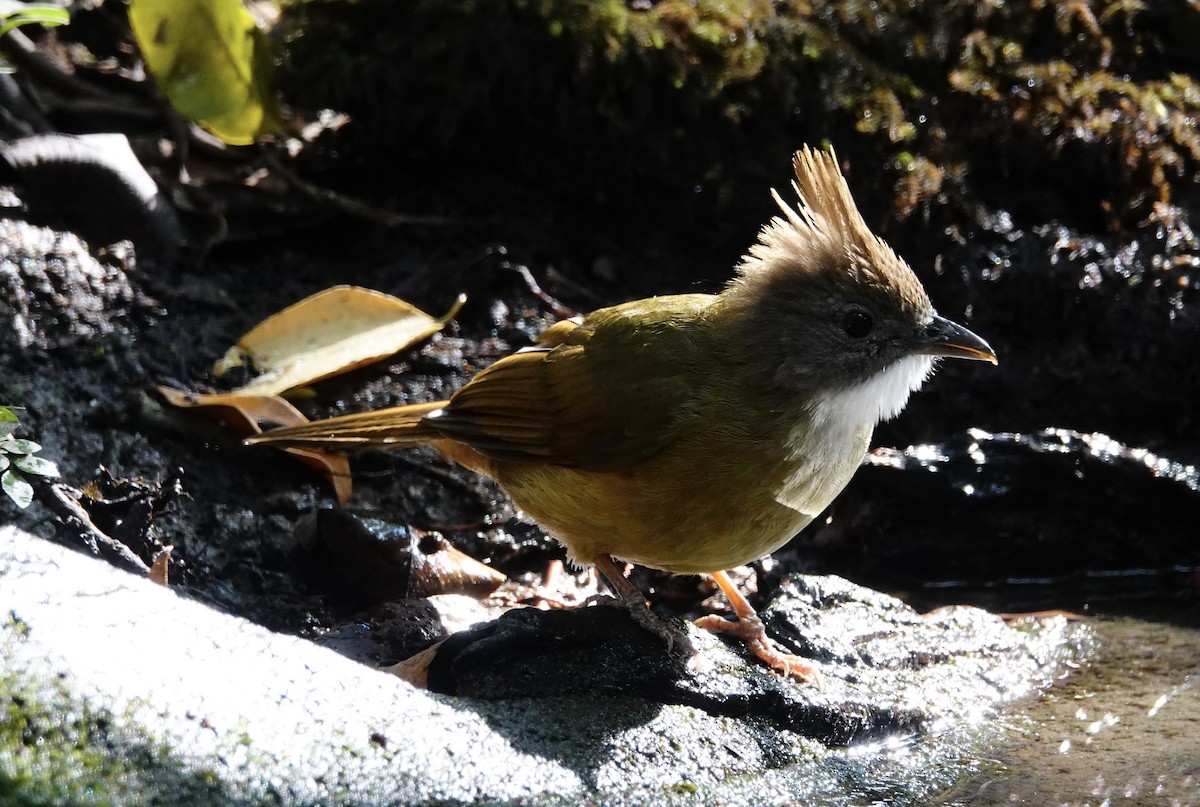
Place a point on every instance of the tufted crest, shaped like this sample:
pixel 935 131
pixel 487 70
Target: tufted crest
pixel 825 233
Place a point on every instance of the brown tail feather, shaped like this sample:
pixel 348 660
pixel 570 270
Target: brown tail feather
pixel 399 426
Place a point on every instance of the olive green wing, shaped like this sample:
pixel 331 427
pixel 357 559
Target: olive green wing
pixel 600 394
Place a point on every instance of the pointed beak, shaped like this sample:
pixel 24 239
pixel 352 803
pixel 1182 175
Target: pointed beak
pixel 941 337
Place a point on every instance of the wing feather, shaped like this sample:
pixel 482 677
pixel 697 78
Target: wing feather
pixel 598 395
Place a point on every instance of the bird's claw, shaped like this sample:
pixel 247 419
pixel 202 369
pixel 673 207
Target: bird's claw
pixel 751 631
pixel 673 635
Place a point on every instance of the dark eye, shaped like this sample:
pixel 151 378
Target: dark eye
pixel 857 323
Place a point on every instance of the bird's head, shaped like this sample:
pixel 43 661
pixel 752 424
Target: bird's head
pixel 832 307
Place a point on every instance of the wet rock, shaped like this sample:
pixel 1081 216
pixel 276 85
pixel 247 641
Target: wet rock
pixel 96 186
pixel 1094 333
pixel 886 669
pixel 55 294
pixel 1053 518
pixel 120 689
pixel 396 630
pixel 533 653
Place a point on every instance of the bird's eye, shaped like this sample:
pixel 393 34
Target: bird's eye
pixel 857 323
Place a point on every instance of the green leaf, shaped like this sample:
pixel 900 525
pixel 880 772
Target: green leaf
pixel 4 462
pixel 14 14
pixel 212 63
pixel 20 447
pixel 36 466
pixel 20 491
pixel 8 421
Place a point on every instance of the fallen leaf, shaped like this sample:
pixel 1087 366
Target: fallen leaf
pixel 440 568
pixel 386 561
pixel 415 669
pixel 245 413
pixel 331 332
pixel 160 565
pixel 211 62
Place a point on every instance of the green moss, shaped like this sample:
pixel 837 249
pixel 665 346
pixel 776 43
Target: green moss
pixel 56 749
pixel 51 750
pixel 612 101
pixel 685 789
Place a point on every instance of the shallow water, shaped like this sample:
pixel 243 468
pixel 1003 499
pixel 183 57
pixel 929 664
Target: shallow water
pixel 1086 524
pixel 1124 729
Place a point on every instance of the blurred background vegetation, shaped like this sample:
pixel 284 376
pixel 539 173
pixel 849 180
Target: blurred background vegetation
pixel 677 114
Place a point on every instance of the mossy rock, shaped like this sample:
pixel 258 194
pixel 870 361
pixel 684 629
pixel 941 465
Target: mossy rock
pixel 675 114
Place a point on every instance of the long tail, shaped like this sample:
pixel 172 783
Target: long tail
pixel 399 426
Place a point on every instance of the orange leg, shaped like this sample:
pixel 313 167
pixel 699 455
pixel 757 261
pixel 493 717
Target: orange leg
pixel 749 628
pixel 635 602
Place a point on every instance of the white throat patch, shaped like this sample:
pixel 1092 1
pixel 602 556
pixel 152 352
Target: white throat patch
pixel 879 398
pixel 829 449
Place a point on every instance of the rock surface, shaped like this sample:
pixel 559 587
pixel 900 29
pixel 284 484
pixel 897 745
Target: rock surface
pixel 122 690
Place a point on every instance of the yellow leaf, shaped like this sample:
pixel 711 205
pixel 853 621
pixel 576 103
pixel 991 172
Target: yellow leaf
pixel 328 333
pixel 212 63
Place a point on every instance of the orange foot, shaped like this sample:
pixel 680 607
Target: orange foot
pixel 749 628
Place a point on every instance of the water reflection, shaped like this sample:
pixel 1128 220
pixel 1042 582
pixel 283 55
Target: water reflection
pixel 1122 730
pixel 1082 522
pixel 984 447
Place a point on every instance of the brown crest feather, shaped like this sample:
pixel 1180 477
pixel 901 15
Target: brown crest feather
pixel 826 233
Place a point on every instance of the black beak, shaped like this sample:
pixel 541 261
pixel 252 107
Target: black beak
pixel 941 337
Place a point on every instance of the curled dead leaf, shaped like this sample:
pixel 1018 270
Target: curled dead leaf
pixel 241 412
pixel 440 568
pixel 245 413
pixel 387 561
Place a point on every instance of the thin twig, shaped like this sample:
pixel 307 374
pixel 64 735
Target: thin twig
pixel 62 500
pixel 560 310
pixel 349 205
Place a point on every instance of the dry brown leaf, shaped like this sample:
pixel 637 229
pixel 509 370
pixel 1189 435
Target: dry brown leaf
pixel 443 569
pixel 242 412
pixel 334 467
pixel 246 412
pixel 330 332
pixel 415 669
pixel 160 565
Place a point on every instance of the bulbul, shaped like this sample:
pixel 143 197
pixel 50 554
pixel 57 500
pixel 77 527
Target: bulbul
pixel 697 432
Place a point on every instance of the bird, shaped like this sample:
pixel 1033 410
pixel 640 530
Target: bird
pixel 695 433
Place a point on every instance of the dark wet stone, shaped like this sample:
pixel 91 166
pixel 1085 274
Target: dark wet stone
pixel 1025 521
pixel 532 653
pixel 1093 333
pixel 55 294
pixel 95 186
pixel 887 670
pixel 392 631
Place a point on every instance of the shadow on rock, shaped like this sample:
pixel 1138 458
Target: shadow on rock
pixel 888 671
pixel 582 679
